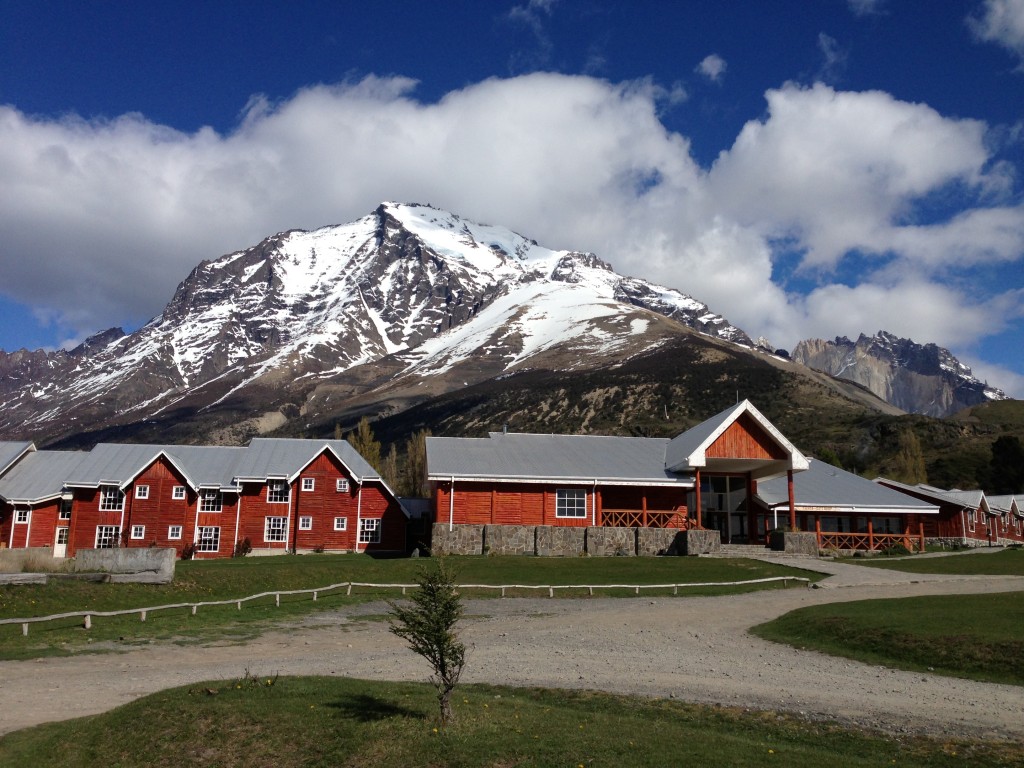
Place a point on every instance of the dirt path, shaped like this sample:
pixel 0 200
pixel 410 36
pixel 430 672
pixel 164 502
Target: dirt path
pixel 694 649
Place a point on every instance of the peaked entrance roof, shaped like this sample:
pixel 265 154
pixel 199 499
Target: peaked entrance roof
pixel 754 445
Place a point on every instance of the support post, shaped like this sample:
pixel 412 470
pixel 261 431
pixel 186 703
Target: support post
pixel 792 500
pixel 696 487
pixel 871 536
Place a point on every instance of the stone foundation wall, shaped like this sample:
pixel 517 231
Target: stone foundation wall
pixel 154 564
pixel 461 540
pixel 701 542
pixel 611 542
pixel 559 541
pixel 660 541
pixel 509 539
pixel 794 543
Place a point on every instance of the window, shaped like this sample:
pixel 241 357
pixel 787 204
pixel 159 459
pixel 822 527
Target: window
pixel 278 492
pixel 308 483
pixel 209 539
pixel 341 523
pixel 174 532
pixel 570 503
pixel 276 529
pixel 138 531
pixel 305 523
pixel 178 492
pixel 369 531
pixel 111 498
pixel 62 536
pixel 21 516
pixel 211 501
pixel 141 491
pixel 107 536
pixel 342 485
pixel 65 510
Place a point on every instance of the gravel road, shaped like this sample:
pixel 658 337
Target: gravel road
pixel 693 649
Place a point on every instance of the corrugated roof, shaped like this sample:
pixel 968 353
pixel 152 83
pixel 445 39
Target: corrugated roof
pixel 119 463
pixel 1005 503
pixel 579 458
pixel 284 457
pixel 823 485
pixel 39 476
pixel 965 499
pixel 11 451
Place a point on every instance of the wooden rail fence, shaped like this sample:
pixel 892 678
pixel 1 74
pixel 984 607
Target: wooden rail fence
pixel 347 586
pixel 870 541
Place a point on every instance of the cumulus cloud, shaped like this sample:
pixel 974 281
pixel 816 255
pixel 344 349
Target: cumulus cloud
pixel 712 67
pixel 865 7
pixel 1001 22
pixel 103 218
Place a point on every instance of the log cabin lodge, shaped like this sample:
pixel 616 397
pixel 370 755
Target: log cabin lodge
pixel 735 474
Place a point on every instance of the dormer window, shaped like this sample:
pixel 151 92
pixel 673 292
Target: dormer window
pixel 111 498
pixel 278 492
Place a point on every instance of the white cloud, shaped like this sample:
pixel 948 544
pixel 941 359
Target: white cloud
pixel 102 219
pixel 833 58
pixel 866 7
pixel 1001 22
pixel 712 67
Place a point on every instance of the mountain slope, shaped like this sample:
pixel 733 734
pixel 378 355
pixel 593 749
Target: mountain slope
pixel 396 307
pixel 917 378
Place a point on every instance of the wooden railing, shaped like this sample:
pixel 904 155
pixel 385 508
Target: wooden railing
pixel 870 541
pixel 142 613
pixel 637 518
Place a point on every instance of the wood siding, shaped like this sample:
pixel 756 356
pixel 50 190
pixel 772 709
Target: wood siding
pixel 745 439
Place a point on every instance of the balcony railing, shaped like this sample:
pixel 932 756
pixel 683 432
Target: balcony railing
pixel 651 518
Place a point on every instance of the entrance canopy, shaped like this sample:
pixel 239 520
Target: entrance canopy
pixel 739 440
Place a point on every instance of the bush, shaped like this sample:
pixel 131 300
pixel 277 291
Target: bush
pixel 188 551
pixel 242 548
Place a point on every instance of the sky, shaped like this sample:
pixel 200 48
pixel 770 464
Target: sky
pixel 807 168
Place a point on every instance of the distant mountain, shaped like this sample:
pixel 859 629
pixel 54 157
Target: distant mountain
pixel 925 379
pixel 399 306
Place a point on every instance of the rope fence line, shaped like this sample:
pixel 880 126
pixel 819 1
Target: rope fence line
pixel 347 585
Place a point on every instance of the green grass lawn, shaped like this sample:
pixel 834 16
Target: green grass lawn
pixel 1005 562
pixel 308 721
pixel 980 637
pixel 213 580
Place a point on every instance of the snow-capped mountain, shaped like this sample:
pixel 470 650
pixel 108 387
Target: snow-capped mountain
pixel 406 302
pixel 917 378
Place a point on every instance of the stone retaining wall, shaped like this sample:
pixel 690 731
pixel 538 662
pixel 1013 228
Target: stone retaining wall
pixel 152 564
pixel 563 541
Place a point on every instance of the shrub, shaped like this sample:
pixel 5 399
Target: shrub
pixel 242 548
pixel 188 551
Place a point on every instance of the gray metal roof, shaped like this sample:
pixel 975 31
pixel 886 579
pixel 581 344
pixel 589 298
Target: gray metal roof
pixel 11 451
pixel 564 458
pixel 284 458
pixel 1005 503
pixel 965 499
pixel 828 487
pixel 39 476
pixel 120 463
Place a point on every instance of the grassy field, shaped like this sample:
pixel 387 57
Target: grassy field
pixel 1005 562
pixel 309 721
pixel 213 580
pixel 978 637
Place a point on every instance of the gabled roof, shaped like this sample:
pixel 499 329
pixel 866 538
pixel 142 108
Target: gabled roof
pixel 10 452
pixel 1007 504
pixel 284 458
pixel 826 488
pixel 516 457
pixel 39 476
pixel 964 499
pixel 688 451
pixel 120 463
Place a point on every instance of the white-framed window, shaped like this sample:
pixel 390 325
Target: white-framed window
pixel 341 485
pixel 208 539
pixel 341 523
pixel 305 523
pixel 211 501
pixel 275 529
pixel 970 521
pixel 369 531
pixel 309 483
pixel 174 532
pixel 178 492
pixel 21 516
pixel 65 509
pixel 138 531
pixel 278 492
pixel 141 491
pixel 111 498
pixel 62 536
pixel 107 536
pixel 570 503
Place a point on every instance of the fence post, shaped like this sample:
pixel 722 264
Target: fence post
pixel 871 536
pixel 24 629
pixel 88 621
pixel 277 599
pixel 142 615
pixel 920 533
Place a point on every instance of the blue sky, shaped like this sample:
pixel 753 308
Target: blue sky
pixel 808 169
